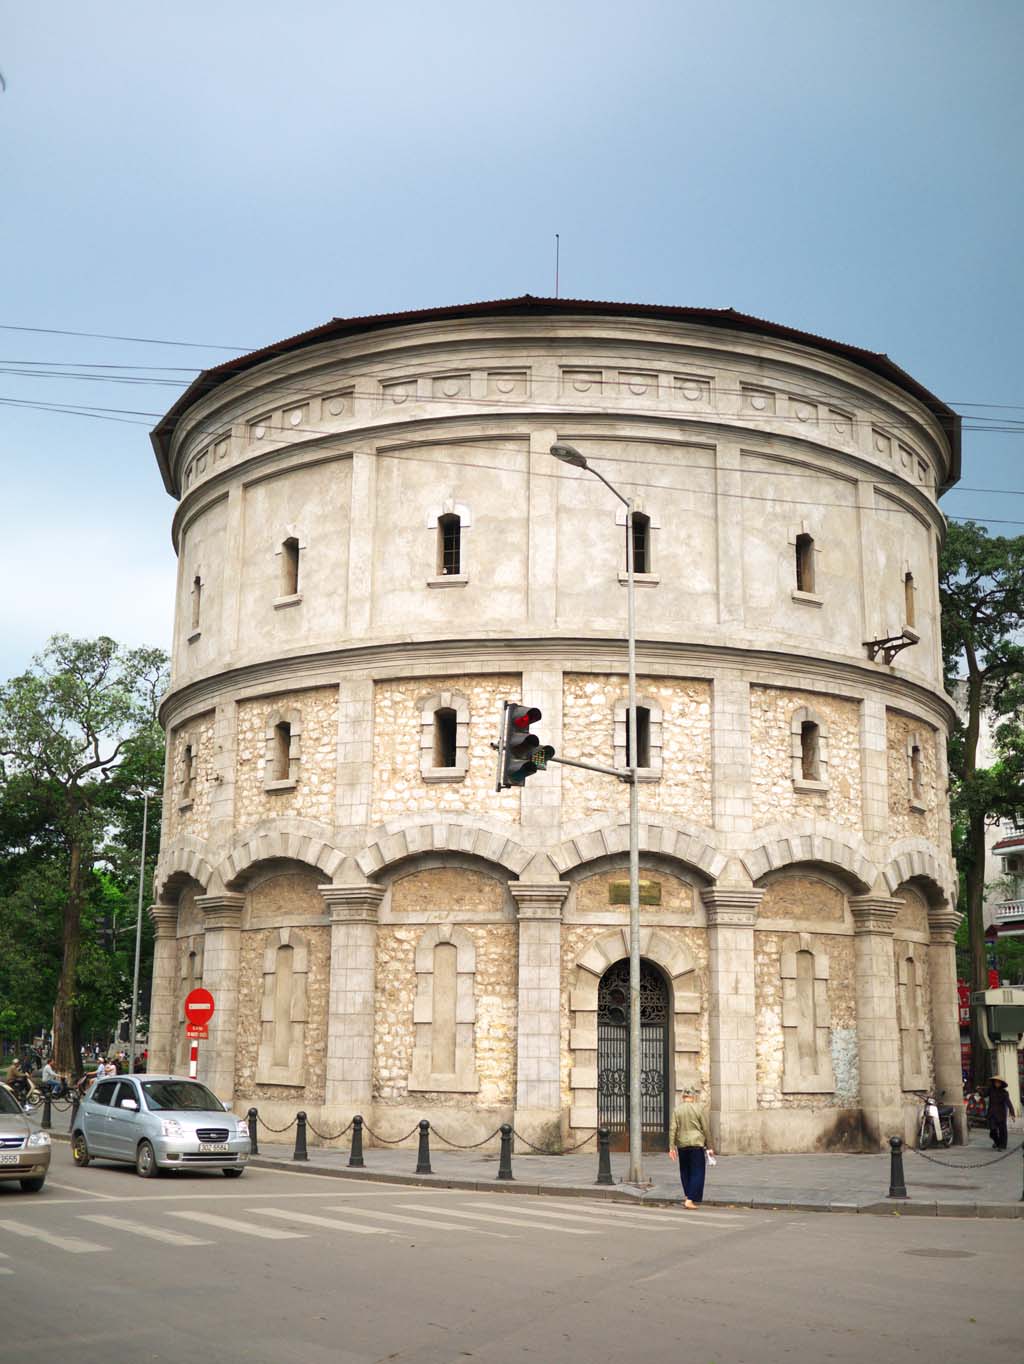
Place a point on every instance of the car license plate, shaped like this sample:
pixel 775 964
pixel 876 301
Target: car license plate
pixel 205 1146
pixel 9 1158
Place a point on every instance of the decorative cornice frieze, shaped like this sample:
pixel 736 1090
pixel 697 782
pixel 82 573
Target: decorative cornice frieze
pixel 943 922
pixel 731 908
pixel 874 913
pixel 221 911
pixel 540 901
pixel 353 904
pixel 164 919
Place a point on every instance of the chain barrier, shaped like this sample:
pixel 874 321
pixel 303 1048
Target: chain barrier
pixel 473 1146
pixel 543 1150
pixel 277 1130
pixel 390 1141
pixel 326 1136
pixel 971 1165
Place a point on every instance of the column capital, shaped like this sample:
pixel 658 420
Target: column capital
pixel 353 904
pixel 164 919
pixel 221 911
pixel 874 913
pixel 539 901
pixel 943 922
pixel 732 907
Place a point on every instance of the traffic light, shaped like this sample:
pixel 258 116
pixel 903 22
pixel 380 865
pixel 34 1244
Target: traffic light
pixel 520 753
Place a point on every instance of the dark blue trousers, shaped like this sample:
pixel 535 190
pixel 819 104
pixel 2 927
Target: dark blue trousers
pixel 691 1171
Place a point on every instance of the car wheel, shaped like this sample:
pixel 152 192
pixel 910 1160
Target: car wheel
pixel 32 1185
pixel 79 1150
pixel 233 1171
pixel 145 1161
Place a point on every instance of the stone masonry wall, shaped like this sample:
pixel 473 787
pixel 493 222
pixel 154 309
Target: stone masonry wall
pixel 592 894
pixel 313 795
pixel 196 818
pixel 684 789
pixel 787 896
pixel 398 784
pixel 904 821
pixel 775 799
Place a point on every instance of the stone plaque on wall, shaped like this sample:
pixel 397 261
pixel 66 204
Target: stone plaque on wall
pixel 650 893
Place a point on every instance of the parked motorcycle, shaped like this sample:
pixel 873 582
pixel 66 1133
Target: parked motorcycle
pixel 935 1127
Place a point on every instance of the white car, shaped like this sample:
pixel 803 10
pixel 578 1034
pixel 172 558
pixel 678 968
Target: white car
pixel 159 1122
pixel 24 1151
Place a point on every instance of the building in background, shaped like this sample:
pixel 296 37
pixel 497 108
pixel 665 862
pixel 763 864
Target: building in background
pixel 376 550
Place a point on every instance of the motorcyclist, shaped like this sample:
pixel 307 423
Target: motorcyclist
pixel 17 1080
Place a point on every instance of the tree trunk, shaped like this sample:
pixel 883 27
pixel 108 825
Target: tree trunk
pixel 65 1059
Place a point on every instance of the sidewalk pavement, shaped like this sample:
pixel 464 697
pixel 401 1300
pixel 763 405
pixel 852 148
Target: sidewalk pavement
pixel 966 1181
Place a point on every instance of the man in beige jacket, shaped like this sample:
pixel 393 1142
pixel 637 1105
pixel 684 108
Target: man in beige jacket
pixel 688 1139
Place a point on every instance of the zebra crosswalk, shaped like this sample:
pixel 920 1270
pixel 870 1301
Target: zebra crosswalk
pixel 451 1214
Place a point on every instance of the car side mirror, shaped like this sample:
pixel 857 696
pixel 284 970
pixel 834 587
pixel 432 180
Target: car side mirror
pixel 227 1107
pixel 131 1104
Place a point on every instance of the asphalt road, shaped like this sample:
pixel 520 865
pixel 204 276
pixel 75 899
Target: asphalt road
pixel 285 1268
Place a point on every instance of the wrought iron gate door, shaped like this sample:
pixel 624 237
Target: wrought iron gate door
pixel 613 1056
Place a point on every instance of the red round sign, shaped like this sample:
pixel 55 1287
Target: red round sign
pixel 199 1006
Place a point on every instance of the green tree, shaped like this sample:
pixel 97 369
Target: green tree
pixel 77 731
pixel 982 593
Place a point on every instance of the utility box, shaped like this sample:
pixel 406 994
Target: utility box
pixel 1004 1012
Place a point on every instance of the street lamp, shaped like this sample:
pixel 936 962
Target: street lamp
pixel 138 924
pixel 568 454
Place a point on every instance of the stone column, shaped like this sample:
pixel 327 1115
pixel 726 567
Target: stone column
pixel 350 1012
pixel 161 1004
pixel 732 1019
pixel 943 922
pixel 538 1037
pixel 222 916
pixel 878 1033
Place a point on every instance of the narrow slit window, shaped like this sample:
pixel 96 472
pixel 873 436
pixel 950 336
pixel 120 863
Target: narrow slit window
pixel 916 774
pixel 290 567
pixel 445 737
pixel 804 563
pixel 908 599
pixel 449 544
pixel 197 600
pixel 186 772
pixel 282 750
pixel 641 543
pixel 643 737
pixel 810 751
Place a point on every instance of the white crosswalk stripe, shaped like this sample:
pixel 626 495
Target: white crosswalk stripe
pixel 170 1238
pixel 532 1210
pixel 523 1225
pixel 311 1219
pixel 419 1221
pixel 69 1243
pixel 212 1219
pixel 660 1216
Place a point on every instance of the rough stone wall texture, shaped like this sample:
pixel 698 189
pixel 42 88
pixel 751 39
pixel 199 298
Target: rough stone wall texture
pixel 768 949
pixel 802 897
pixel 771 761
pixel 592 894
pixel 250 1000
pixel 495 989
pixel 196 819
pixel 283 892
pixel 190 917
pixel 576 938
pixel 313 795
pixel 398 785
pixel 904 821
pixel 684 789
pixel 913 913
pixel 436 893
pixel 900 950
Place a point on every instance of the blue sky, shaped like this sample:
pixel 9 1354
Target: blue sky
pixel 232 173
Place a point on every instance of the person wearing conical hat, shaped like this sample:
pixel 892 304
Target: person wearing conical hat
pixel 1000 1108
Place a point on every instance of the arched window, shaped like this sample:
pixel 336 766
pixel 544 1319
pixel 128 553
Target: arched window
pixel 806 1020
pixel 445 737
pixel 442 1032
pixel 648 738
pixel 282 1024
pixel 197 600
pixel 290 567
pixel 281 1059
pixel 641 543
pixel 909 614
pixel 804 563
pixel 444 1052
pixel 449 544
pixel 810 751
pixel 643 737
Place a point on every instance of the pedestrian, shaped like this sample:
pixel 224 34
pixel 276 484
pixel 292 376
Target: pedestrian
pixel 1000 1107
pixel 689 1142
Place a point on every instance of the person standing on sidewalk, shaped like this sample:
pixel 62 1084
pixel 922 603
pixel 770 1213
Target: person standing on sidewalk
pixel 1000 1108
pixel 689 1142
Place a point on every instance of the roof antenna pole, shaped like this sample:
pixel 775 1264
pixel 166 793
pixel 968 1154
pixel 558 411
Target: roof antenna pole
pixel 557 244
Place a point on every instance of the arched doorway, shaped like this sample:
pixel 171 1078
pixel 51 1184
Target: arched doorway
pixel 613 1055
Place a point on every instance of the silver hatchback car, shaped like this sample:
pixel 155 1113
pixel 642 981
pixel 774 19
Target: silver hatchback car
pixel 24 1151
pixel 159 1122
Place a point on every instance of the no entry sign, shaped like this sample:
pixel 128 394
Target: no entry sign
pixel 199 1006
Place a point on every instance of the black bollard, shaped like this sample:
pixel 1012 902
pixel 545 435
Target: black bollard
pixel 47 1122
pixel 423 1155
pixel 505 1162
pixel 897 1184
pixel 300 1138
pixel 604 1159
pixel 75 1101
pixel 254 1143
pixel 355 1158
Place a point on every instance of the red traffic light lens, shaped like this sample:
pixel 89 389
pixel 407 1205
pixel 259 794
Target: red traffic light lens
pixel 526 719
